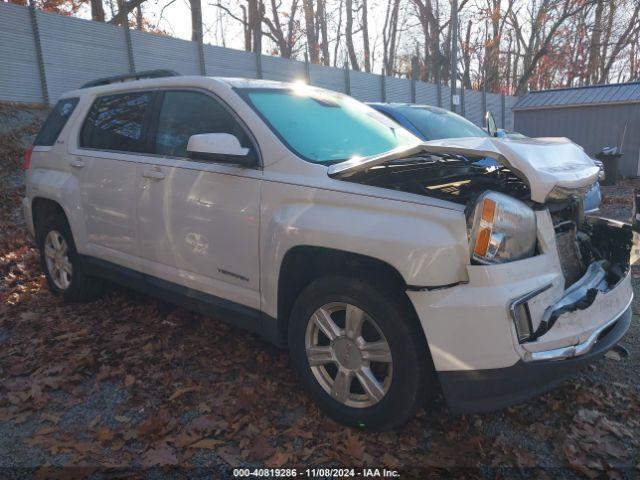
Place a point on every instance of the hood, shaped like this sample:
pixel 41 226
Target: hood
pixel 544 163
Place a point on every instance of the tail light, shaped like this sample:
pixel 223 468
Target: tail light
pixel 27 158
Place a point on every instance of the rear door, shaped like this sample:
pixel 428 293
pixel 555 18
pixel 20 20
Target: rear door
pixel 199 220
pixel 113 138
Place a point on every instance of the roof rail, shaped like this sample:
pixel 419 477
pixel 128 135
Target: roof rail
pixel 131 76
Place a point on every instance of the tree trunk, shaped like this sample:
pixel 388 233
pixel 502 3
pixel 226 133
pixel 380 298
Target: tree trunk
pixel 97 10
pixel 255 24
pixel 596 45
pixel 365 37
pixel 196 20
pixel 312 36
pixel 349 35
pixel 321 16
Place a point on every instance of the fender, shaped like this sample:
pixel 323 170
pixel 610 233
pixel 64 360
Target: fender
pixel 427 246
pixel 62 188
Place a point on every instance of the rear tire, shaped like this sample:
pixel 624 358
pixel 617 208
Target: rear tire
pixel 62 265
pixel 376 370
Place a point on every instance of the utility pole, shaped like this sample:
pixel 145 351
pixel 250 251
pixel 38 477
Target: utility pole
pixel 454 53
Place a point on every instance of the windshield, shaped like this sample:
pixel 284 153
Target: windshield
pixel 324 127
pixel 436 124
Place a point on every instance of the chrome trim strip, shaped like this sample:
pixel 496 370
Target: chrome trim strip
pixel 579 349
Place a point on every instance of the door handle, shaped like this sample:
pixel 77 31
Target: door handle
pixel 155 174
pixel 77 163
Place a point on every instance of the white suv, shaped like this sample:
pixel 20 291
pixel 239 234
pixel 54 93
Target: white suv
pixel 392 268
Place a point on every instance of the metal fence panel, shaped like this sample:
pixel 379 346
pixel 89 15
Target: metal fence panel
pixel 328 77
pixel 473 107
pixel 276 68
pixel 398 89
pixel 19 76
pixel 511 101
pixel 445 96
pixel 225 62
pixel 151 51
pixel 365 86
pixel 426 93
pixel 76 51
pixel 494 105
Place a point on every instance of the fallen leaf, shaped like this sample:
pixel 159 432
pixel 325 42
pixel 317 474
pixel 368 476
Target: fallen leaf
pixel 207 443
pixel 261 449
pixel 181 391
pixel 354 446
pixel 104 434
pixel 161 455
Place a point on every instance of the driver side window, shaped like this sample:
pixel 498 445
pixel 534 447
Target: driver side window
pixel 186 113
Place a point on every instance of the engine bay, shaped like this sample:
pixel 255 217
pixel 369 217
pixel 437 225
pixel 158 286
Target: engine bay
pixel 581 240
pixel 455 178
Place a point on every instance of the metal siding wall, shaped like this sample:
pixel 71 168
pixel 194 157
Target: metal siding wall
pixel 225 62
pixel 591 127
pixel 327 77
pixel 445 94
pixel 76 51
pixel 151 51
pixel 19 76
pixel 473 106
pixel 510 102
pixel 365 86
pixel 276 68
pixel 494 105
pixel 398 89
pixel 426 93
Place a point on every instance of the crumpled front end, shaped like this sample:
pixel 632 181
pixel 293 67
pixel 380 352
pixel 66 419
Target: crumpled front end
pixel 518 328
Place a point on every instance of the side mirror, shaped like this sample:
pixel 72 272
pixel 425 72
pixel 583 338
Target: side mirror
pixel 219 147
pixel 490 122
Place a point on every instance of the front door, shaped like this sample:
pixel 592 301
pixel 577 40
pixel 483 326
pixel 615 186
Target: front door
pixel 199 221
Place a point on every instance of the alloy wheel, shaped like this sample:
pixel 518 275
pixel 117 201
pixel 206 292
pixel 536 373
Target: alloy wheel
pixel 348 354
pixel 56 255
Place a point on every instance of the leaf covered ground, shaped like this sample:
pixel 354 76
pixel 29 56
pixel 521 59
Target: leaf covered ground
pixel 127 385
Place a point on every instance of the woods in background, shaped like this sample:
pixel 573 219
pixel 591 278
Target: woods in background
pixel 509 46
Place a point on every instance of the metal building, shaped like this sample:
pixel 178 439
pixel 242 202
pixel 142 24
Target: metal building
pixel 594 117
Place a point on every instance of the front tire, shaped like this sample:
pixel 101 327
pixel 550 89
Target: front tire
pixel 60 262
pixel 359 352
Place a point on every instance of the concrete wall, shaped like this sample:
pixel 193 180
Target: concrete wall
pixel 592 127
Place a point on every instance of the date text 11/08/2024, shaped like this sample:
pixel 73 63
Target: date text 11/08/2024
pixel 316 472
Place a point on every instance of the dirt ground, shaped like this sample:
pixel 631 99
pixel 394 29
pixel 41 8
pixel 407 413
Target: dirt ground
pixel 130 386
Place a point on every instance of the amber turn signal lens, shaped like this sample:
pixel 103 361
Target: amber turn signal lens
pixel 488 210
pixel 482 242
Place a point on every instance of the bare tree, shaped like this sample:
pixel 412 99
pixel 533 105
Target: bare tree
pixel 284 38
pixel 389 36
pixel 349 32
pixel 313 46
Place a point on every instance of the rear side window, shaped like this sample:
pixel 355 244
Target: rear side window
pixel 55 122
pixel 118 122
pixel 186 113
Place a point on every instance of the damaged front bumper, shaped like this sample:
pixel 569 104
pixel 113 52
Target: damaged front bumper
pixel 485 363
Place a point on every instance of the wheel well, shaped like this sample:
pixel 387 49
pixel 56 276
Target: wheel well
pixel 43 207
pixel 303 264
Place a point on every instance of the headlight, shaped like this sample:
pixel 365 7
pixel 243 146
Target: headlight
pixel 501 229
